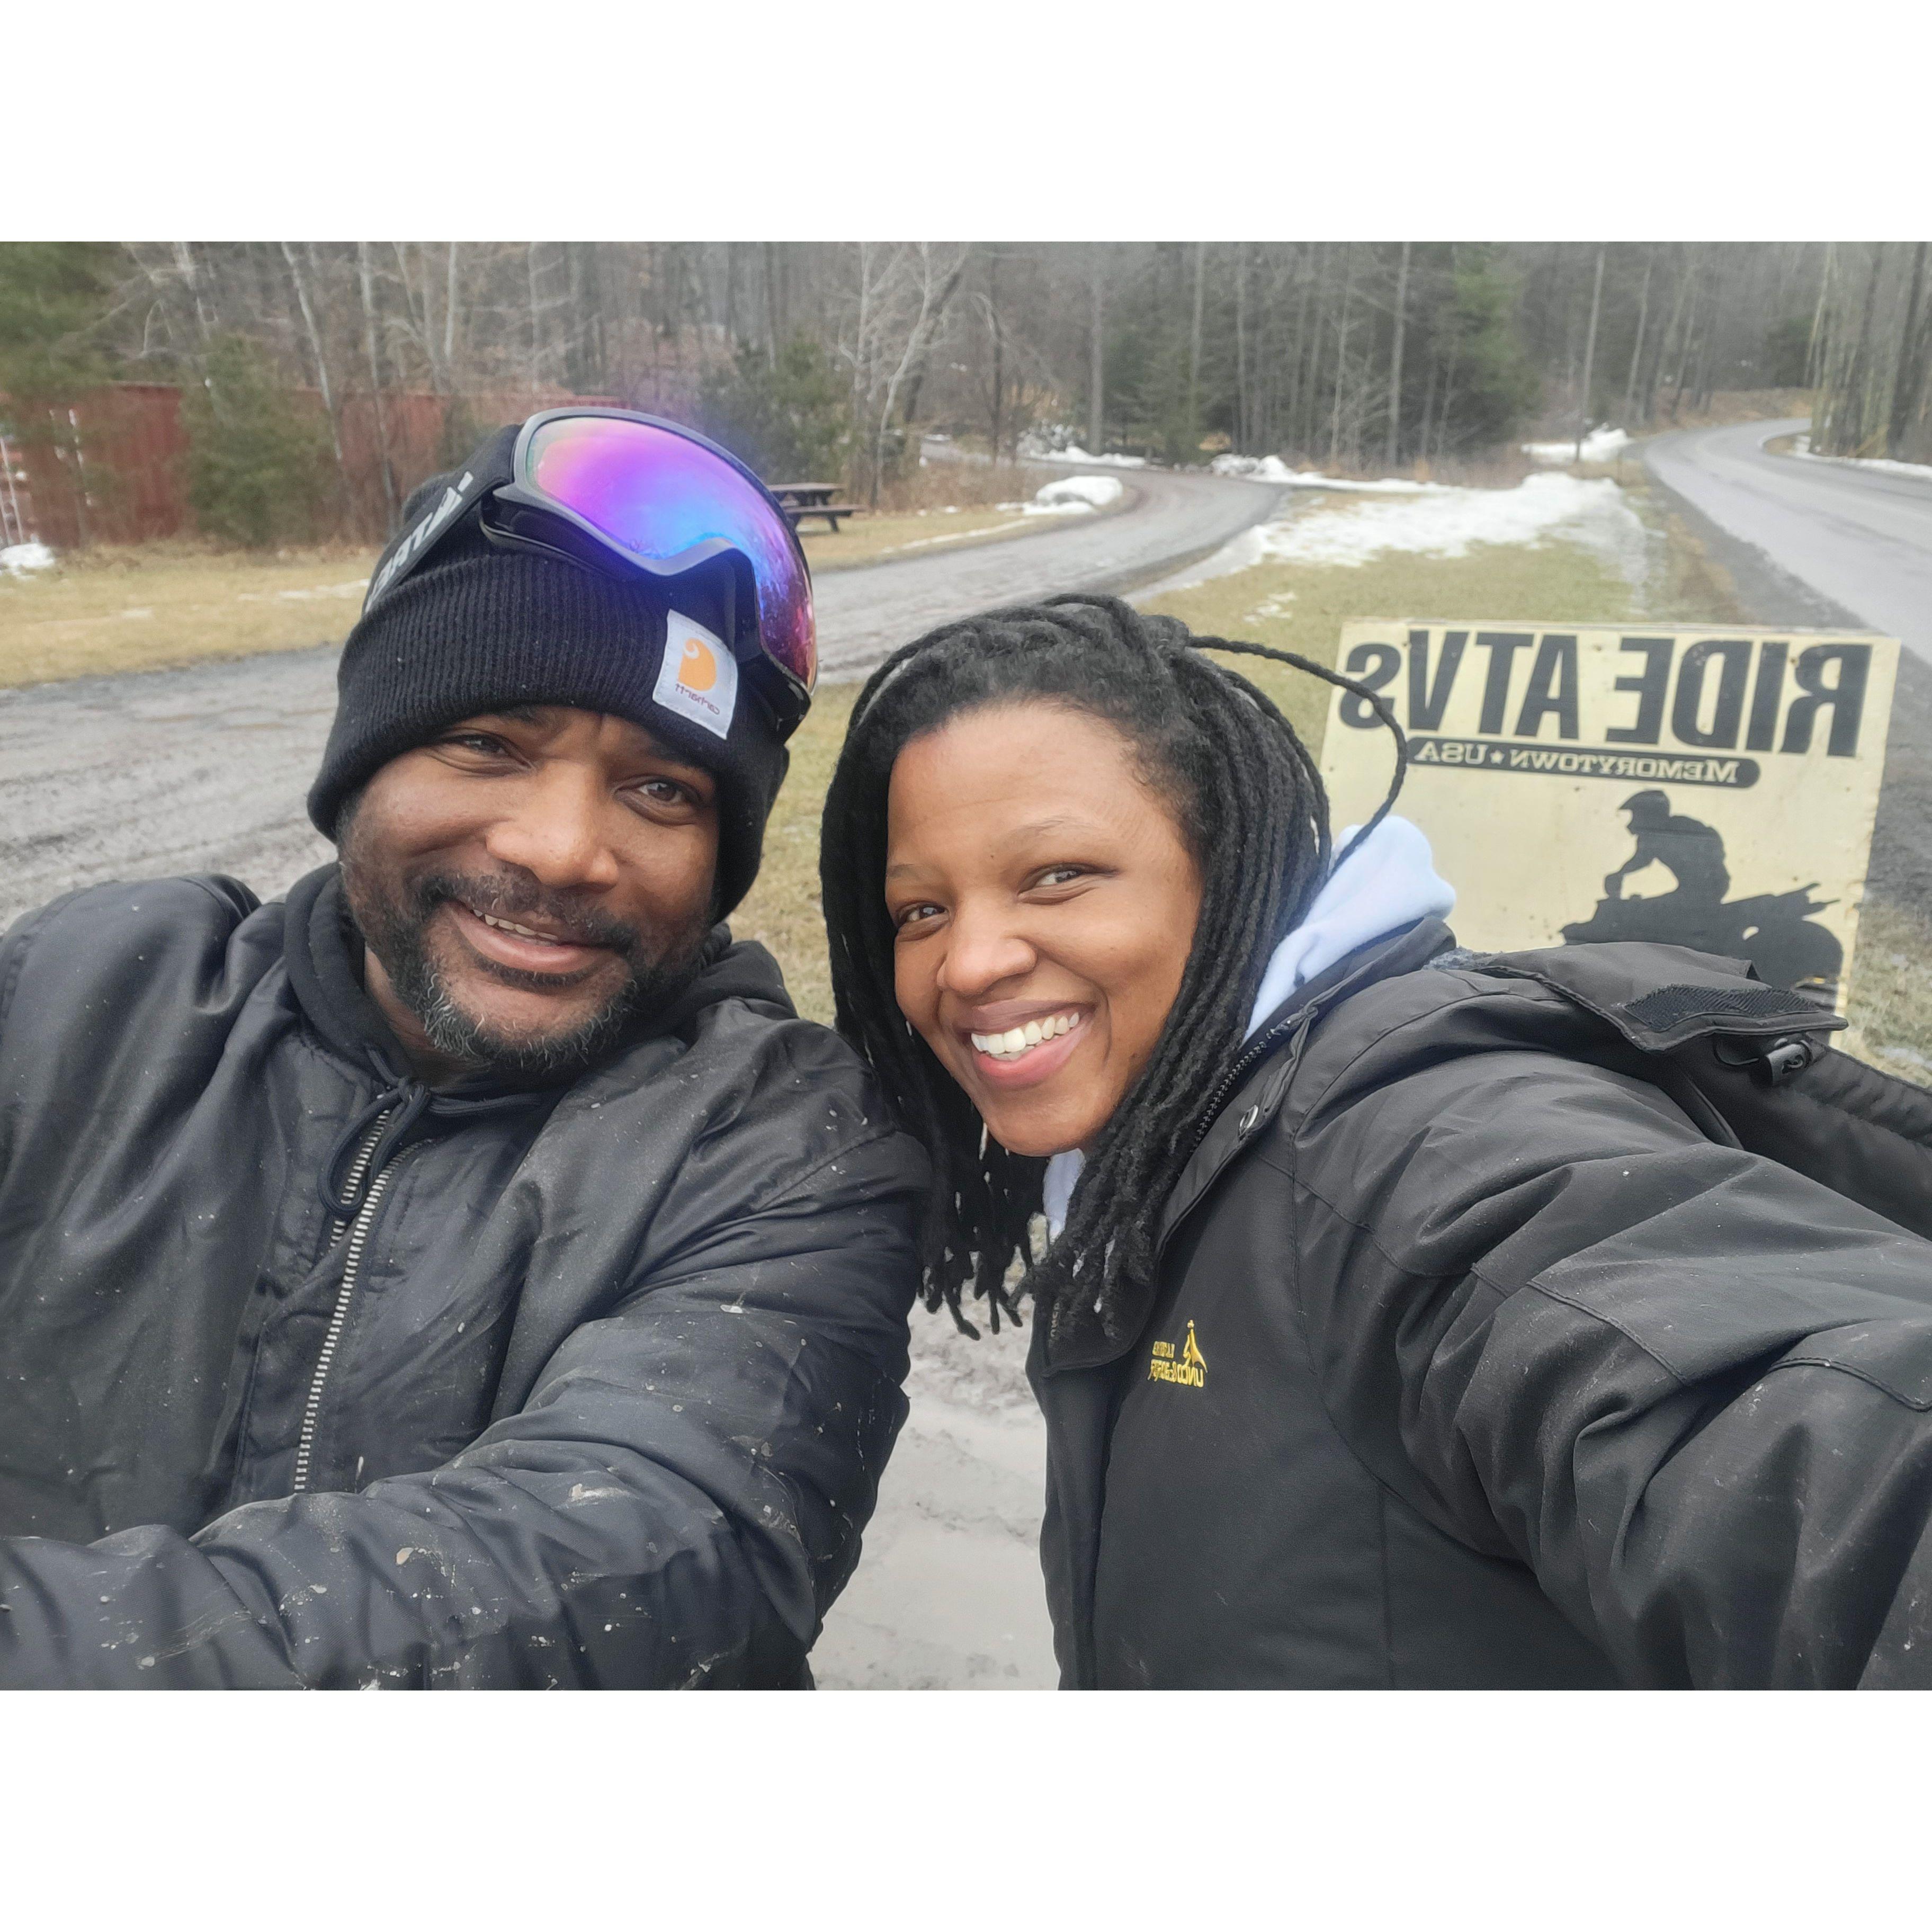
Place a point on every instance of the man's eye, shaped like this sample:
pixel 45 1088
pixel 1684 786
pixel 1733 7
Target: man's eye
pixel 477 741
pixel 667 791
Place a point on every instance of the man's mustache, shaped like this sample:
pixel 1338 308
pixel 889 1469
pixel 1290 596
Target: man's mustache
pixel 516 895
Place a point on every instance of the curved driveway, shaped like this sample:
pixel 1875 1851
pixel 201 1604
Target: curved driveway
pixel 205 768
pixel 1175 518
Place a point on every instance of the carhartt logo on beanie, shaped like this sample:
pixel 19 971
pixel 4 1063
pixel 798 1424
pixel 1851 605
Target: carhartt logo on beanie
pixel 475 629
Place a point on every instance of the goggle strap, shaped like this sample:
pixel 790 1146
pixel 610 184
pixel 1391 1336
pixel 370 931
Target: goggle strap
pixel 491 468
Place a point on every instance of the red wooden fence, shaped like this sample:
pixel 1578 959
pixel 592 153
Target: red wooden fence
pixel 110 470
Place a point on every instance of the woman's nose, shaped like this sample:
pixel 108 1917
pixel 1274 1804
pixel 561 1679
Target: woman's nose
pixel 983 949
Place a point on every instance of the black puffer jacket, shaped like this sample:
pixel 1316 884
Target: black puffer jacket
pixel 1473 1362
pixel 594 1389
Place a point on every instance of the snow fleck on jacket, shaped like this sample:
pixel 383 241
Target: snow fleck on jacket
pixel 602 1399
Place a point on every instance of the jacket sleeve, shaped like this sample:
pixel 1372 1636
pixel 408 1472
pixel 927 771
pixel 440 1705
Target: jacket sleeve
pixel 677 1503
pixel 1691 1388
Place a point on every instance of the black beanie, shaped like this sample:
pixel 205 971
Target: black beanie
pixel 474 628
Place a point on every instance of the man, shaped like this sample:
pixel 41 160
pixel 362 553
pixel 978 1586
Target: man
pixel 468 1272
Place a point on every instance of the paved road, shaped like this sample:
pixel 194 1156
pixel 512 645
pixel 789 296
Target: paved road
pixel 1862 537
pixel 864 614
pixel 204 769
pixel 1825 543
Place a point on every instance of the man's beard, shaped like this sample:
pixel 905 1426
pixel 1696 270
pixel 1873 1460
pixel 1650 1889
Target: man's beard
pixel 392 916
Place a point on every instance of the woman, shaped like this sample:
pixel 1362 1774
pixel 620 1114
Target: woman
pixel 1398 1327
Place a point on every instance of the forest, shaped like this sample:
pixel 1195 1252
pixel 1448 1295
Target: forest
pixel 318 382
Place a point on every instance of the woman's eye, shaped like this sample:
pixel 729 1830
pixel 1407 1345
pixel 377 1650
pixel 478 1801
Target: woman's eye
pixel 1060 875
pixel 914 915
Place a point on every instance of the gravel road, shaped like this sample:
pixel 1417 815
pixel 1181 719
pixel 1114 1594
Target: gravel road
pixel 1826 543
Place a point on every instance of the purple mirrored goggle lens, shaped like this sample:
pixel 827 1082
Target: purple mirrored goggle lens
pixel 657 495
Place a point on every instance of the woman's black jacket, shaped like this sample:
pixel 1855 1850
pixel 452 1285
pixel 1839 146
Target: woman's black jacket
pixel 594 1388
pixel 1472 1362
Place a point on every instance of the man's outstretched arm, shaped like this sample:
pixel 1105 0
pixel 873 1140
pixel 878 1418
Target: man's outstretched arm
pixel 677 1503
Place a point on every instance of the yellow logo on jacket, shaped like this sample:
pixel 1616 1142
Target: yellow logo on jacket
pixel 1188 1367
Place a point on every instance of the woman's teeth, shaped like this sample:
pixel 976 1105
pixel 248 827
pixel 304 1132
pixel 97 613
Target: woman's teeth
pixel 1017 1040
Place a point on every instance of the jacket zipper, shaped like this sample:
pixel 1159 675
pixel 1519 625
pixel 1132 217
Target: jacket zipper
pixel 1256 1052
pixel 358 1234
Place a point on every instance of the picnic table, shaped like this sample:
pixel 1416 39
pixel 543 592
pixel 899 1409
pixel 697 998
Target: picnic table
pixel 800 500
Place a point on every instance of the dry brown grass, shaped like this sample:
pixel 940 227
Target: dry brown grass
pixel 870 539
pixel 1891 1009
pixel 140 608
pixel 782 910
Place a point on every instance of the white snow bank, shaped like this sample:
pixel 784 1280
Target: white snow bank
pixel 1075 496
pixel 17 560
pixel 1447 522
pixel 1272 469
pixel 1801 445
pixel 1599 446
pixel 1073 453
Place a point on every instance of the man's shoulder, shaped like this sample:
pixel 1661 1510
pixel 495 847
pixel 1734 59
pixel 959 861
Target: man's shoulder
pixel 750 1082
pixel 188 903
pixel 146 935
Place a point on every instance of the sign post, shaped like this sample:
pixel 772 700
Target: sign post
pixel 1711 787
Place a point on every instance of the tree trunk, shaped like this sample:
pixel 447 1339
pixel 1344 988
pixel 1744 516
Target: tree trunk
pixel 1395 359
pixel 1096 351
pixel 327 388
pixel 389 494
pixel 1590 354
pixel 1911 372
pixel 1636 347
pixel 1194 349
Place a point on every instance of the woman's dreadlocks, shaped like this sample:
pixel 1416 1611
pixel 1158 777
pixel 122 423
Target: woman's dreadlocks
pixel 1251 807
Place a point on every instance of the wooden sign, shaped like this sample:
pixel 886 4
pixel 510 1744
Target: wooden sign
pixel 1710 787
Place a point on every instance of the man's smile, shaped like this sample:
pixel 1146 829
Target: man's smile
pixel 557 953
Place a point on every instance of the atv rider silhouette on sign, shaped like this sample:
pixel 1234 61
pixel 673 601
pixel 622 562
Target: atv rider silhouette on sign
pixel 1687 848
pixel 1775 930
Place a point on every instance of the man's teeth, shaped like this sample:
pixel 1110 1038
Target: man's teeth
pixel 521 931
pixel 1017 1040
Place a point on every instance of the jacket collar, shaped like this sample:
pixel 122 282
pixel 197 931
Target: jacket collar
pixel 1269 1058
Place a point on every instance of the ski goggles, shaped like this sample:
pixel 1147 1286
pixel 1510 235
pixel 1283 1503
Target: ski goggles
pixel 624 493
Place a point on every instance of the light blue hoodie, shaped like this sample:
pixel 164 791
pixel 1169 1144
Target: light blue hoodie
pixel 1377 885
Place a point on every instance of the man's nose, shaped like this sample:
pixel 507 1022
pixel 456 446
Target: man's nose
pixel 557 830
pixel 984 947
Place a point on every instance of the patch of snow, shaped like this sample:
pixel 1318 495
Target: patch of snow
pixel 1075 496
pixel 17 560
pixel 1272 469
pixel 1448 521
pixel 1801 445
pixel 1242 551
pixel 1073 453
pixel 1599 446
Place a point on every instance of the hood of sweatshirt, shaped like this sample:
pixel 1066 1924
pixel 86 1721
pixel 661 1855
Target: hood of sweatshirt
pixel 1376 885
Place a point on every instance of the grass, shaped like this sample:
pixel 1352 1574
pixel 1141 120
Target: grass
pixel 782 910
pixel 868 539
pixel 1890 1011
pixel 1302 608
pixel 143 607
